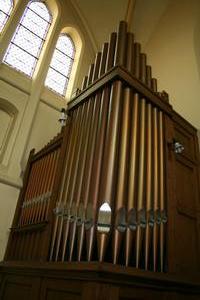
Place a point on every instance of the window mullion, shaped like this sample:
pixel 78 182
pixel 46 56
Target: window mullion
pixel 24 50
pixel 33 32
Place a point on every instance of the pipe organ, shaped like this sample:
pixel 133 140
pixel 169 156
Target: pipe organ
pixel 108 193
pixel 112 204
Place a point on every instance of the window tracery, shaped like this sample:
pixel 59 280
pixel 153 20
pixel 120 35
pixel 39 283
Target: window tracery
pixel 29 37
pixel 61 65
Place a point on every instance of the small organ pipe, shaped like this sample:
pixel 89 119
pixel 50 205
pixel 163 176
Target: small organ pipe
pixel 103 59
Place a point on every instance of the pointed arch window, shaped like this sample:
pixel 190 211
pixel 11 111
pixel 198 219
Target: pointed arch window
pixel 61 65
pixel 29 37
pixel 6 7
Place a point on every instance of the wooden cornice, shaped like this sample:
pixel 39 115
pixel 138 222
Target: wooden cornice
pixel 120 73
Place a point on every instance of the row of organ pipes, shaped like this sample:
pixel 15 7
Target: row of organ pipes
pixel 111 205
pixel 36 204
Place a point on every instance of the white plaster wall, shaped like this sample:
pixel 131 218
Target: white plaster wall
pixel 8 200
pixel 172 54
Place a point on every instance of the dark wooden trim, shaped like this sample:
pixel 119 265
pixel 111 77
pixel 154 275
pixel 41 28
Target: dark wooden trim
pixel 20 201
pixel 55 143
pixel 105 273
pixel 30 228
pixel 59 172
pixel 121 73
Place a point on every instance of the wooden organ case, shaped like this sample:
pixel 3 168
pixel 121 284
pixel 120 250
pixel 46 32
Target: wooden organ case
pixel 110 208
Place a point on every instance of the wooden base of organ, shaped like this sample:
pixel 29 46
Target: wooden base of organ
pixel 91 281
pixel 122 188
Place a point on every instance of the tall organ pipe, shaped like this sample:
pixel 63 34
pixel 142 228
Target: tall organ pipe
pixel 140 204
pixel 120 200
pixel 132 171
pixel 70 182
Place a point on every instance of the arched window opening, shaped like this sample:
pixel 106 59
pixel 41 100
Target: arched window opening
pixel 5 9
pixel 26 45
pixel 61 65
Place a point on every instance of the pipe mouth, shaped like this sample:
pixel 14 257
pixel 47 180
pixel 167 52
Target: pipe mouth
pixel 104 218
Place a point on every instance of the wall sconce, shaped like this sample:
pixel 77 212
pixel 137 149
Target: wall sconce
pixel 63 117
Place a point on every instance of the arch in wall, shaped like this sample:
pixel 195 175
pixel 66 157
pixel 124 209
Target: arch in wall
pixel 6 11
pixel 74 34
pixel 8 115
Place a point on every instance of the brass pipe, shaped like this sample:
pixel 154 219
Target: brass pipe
pixel 90 74
pixel 108 175
pixel 155 178
pixel 103 59
pixel 120 53
pixel 131 204
pixel 64 228
pixel 27 193
pixel 88 171
pixel 148 76
pixel 84 83
pixel 137 49
pixel 143 67
pixel 34 191
pixel 154 84
pixel 81 166
pixel 46 179
pixel 121 187
pixel 96 66
pixel 148 184
pixel 161 189
pixel 64 185
pixel 72 173
pixel 111 51
pixel 91 213
pixel 41 181
pixel 130 53
pixel 53 159
pixel 50 188
pixel 43 188
pixel 140 204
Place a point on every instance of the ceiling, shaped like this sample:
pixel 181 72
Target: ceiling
pixel 103 16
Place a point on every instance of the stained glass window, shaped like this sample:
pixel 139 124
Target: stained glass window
pixel 5 10
pixel 61 65
pixel 25 47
